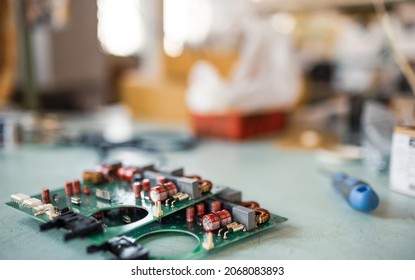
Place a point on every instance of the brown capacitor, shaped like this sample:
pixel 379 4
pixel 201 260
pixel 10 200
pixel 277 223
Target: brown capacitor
pixel 69 188
pixel 137 189
pixel 216 220
pixel 162 192
pixel 129 173
pixel 161 180
pixel 120 173
pixel 45 196
pixel 77 187
pixel 86 190
pixel 215 205
pixel 200 209
pixel 108 171
pixel 190 214
pixel 146 185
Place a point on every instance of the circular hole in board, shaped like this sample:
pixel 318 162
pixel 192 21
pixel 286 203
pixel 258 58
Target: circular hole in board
pixel 119 216
pixel 169 244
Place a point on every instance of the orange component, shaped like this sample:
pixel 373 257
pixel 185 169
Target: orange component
pixel 86 190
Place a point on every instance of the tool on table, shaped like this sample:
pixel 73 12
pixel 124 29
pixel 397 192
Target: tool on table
pixel 358 193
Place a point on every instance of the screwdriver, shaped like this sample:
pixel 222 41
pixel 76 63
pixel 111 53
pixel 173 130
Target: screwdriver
pixel 357 193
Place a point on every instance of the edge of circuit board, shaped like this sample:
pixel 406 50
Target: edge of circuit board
pixel 116 205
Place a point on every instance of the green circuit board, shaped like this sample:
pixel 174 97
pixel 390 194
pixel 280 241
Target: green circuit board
pixel 113 219
pixel 123 203
pixel 177 223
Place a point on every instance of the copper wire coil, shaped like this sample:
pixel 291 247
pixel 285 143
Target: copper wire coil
pixel 250 204
pixel 262 215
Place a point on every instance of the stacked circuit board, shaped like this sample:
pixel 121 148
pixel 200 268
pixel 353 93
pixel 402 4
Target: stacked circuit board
pixel 115 206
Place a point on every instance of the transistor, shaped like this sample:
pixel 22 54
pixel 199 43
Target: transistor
pixel 123 247
pixel 80 225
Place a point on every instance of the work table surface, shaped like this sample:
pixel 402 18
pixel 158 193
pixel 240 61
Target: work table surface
pixel 321 225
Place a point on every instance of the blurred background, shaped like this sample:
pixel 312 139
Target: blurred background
pixel 323 74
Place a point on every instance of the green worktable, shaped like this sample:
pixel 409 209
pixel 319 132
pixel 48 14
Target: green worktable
pixel 321 225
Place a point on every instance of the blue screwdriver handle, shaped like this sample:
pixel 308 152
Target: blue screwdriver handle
pixel 358 193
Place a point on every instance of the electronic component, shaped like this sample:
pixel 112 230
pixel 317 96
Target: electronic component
pixel 75 200
pixel 208 242
pixel 161 180
pixel 105 195
pixel 19 197
pixel 80 225
pixel 31 202
pixel 45 196
pixel 109 169
pixel 157 211
pixel 216 220
pixel 186 185
pixel 230 228
pixel 126 219
pixel 123 247
pixel 127 173
pixel 46 209
pixel 86 190
pixel 76 187
pixel 190 214
pixel 215 205
pixel 69 188
pixel 93 177
pixel 137 189
pixel 262 216
pixel 244 216
pixel 230 195
pixel 200 209
pixel 250 204
pixel 176 198
pixel 56 197
pixel 170 170
pixel 41 209
pixel 146 185
pixel 162 192
pixel 204 185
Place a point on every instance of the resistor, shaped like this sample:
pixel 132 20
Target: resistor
pixel 216 220
pixel 77 187
pixel 45 196
pixel 190 214
pixel 137 189
pixel 162 192
pixel 200 209
pixel 69 188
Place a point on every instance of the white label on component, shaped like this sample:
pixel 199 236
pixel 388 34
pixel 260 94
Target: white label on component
pixel 403 163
